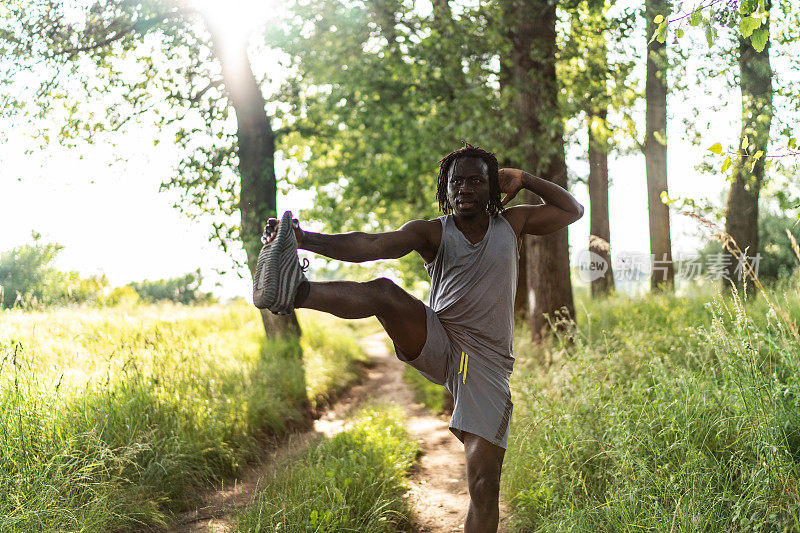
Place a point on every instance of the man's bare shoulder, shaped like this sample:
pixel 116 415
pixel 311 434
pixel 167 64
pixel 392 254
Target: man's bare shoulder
pixel 515 215
pixel 427 228
pixel 430 230
pixel 421 225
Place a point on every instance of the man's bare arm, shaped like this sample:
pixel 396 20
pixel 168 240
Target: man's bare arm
pixel 358 246
pixel 559 209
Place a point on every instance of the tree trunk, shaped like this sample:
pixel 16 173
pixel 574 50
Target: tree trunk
pixel 256 151
pixel 385 13
pixel 442 15
pixel 522 301
pixel 741 210
pixel 655 152
pixel 532 25
pixel 599 230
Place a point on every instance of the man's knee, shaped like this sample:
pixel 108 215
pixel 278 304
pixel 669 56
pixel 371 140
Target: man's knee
pixel 387 292
pixel 484 464
pixel 384 286
pixel 484 489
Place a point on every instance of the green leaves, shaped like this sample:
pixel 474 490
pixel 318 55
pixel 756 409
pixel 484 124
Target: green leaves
pixel 743 156
pixel 759 39
pixel 753 24
pixel 711 34
pixel 755 159
pixel 716 148
pixel 747 25
pixel 660 34
pixel 752 19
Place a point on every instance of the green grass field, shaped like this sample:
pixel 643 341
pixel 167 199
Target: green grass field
pixel 113 418
pixel 354 481
pixel 666 414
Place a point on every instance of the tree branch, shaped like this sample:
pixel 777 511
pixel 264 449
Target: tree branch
pixel 140 26
pixel 132 115
pixel 196 98
pixel 633 136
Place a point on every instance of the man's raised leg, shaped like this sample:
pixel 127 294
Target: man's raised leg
pixel 484 463
pixel 402 315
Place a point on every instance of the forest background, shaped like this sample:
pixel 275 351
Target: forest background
pixel 403 98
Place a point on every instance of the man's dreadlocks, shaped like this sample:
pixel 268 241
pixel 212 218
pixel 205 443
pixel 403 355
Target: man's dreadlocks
pixel 468 150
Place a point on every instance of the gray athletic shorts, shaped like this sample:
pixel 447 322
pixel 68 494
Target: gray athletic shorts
pixel 482 398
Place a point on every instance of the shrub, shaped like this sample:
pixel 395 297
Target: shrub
pixel 183 289
pixel 29 279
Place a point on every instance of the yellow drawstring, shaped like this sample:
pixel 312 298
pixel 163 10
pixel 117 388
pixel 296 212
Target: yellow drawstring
pixel 462 367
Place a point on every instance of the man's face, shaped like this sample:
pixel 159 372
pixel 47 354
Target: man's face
pixel 468 186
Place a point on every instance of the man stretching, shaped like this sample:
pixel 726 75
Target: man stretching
pixel 463 340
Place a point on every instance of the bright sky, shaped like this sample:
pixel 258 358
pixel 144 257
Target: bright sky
pixel 111 218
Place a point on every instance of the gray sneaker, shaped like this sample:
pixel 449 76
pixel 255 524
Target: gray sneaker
pixel 278 271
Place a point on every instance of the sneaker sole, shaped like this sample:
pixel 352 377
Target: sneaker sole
pixel 267 285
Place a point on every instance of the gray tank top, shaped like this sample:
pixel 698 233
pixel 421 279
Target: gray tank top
pixel 473 288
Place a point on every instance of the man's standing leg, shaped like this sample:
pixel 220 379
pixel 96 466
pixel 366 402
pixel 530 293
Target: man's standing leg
pixel 402 315
pixel 484 463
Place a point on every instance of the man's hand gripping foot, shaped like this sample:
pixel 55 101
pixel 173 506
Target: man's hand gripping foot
pixel 279 273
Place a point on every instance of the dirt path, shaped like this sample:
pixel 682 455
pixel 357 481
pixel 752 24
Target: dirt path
pixel 438 492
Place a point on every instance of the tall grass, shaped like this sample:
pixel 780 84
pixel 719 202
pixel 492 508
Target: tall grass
pixel 113 419
pixel 353 481
pixel 428 394
pixel 331 353
pixel 667 414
